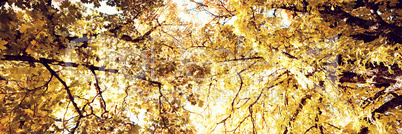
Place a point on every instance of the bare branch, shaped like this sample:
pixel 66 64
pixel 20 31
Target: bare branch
pixel 243 59
pixel 70 95
pixel 98 90
pixel 55 62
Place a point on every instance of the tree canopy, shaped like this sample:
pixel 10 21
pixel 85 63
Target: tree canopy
pixel 276 66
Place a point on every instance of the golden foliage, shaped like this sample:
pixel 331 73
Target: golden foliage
pixel 247 67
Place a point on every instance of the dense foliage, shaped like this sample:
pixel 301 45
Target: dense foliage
pixel 276 66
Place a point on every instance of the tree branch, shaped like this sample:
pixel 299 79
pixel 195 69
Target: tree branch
pixel 243 59
pixel 388 105
pixel 55 62
pixel 70 95
pixel 98 89
pixel 393 32
pixel 298 109
pixel 138 39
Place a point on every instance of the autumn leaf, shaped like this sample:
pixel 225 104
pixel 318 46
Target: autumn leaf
pixel 33 43
pixel 2 44
pixel 211 66
pixel 24 27
pixel 29 111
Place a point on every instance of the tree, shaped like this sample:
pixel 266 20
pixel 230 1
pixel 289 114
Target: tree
pixel 282 67
pixel 331 49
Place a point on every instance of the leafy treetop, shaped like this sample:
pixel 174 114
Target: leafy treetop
pixel 283 66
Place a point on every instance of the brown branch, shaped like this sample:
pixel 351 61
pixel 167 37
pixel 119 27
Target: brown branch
pixel 70 95
pixel 250 109
pixel 123 103
pixel 221 4
pixel 363 130
pixel 381 78
pixel 286 53
pixel 393 32
pixel 243 59
pixel 370 100
pixel 397 101
pixel 138 39
pixel 241 84
pixel 29 90
pixel 309 129
pixel 203 6
pixel 55 62
pixel 388 105
pixel 90 106
pixel 64 115
pixel 334 126
pixel 251 112
pixel 165 121
pixel 238 91
pixel 338 12
pixel 222 121
pixel 298 109
pixel 98 89
pixel 247 99
pixel 241 122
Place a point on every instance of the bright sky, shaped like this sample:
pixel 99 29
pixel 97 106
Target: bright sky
pixel 201 16
pixel 104 8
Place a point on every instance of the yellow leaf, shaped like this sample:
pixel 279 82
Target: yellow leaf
pixel 93 45
pixel 33 43
pixel 19 130
pixel 167 85
pixel 2 43
pixel 24 28
pixel 29 51
pixel 29 111
pixel 4 121
pixel 42 113
pixel 135 129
